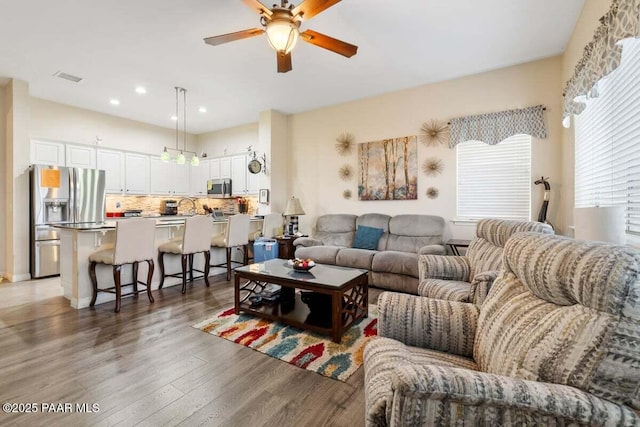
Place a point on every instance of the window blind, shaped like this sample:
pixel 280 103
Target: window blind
pixel 494 181
pixel 607 138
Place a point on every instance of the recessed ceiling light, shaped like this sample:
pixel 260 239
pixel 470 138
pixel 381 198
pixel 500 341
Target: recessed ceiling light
pixel 114 101
pixel 202 109
pixel 141 90
pixel 174 118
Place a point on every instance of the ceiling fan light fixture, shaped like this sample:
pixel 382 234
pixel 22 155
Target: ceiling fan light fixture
pixel 282 34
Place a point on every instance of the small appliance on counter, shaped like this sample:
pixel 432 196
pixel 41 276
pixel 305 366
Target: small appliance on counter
pixel 169 207
pixel 219 188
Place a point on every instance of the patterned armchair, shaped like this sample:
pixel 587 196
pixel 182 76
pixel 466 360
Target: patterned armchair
pixel 557 342
pixel 468 278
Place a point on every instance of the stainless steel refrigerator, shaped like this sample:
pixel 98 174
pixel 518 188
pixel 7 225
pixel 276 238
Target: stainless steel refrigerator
pixel 60 195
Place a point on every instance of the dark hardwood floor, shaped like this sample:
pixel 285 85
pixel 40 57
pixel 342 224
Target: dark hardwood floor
pixel 147 366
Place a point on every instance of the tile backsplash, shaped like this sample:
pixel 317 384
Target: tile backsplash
pixel 151 205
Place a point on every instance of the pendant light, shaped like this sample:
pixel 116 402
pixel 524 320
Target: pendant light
pixel 180 158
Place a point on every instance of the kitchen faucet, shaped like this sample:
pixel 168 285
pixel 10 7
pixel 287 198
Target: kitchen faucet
pixel 193 210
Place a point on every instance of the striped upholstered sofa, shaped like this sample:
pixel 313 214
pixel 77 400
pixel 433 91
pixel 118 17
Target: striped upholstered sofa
pixel 468 278
pixel 557 342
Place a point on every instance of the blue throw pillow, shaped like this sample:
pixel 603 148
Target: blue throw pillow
pixel 367 237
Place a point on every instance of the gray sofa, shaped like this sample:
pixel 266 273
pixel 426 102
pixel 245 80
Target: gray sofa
pixel 394 264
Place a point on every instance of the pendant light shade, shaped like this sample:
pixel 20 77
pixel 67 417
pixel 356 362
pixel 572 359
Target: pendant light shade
pixel 282 35
pixel 165 156
pixel 195 161
pixel 180 159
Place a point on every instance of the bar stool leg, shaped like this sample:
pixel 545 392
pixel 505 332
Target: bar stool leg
pixel 184 273
pixel 207 259
pixel 149 277
pixel 191 267
pixel 116 278
pixel 134 269
pixel 228 264
pixel 245 259
pixel 94 282
pixel 161 264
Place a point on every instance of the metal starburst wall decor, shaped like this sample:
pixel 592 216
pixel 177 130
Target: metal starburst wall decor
pixel 433 132
pixel 344 143
pixel 432 166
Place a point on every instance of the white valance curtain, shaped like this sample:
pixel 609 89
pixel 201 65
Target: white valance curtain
pixel 493 128
pixel 602 55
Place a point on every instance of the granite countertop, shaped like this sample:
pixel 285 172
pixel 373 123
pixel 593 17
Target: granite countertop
pixel 161 221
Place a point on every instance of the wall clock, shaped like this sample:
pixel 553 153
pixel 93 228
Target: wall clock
pixel 255 166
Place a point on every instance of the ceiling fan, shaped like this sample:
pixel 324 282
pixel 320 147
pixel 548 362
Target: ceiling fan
pixel 282 25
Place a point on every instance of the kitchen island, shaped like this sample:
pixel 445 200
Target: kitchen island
pixel 78 241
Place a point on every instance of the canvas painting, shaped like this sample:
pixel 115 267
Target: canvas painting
pixel 388 169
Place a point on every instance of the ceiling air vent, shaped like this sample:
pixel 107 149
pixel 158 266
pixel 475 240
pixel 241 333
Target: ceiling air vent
pixel 69 77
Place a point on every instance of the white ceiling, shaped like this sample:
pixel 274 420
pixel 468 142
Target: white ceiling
pixel 116 45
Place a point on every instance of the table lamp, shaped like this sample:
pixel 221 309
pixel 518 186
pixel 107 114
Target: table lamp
pixel 603 223
pixel 292 211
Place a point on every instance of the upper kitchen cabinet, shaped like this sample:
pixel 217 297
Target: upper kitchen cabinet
pixel 168 178
pixel 47 153
pixel 214 169
pixel 198 177
pixel 80 156
pixel 225 167
pixel 136 173
pixel 112 162
pixel 239 175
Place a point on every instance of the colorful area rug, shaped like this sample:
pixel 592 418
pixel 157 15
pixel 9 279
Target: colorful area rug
pixel 304 349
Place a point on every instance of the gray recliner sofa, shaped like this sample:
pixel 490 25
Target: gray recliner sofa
pixel 394 264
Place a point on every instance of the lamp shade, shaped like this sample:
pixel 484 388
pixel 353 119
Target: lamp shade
pixel 293 207
pixel 282 35
pixel 605 224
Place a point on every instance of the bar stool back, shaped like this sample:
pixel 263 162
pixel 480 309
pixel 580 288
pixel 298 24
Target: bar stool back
pixel 135 242
pixel 196 238
pixel 236 234
pixel 271 225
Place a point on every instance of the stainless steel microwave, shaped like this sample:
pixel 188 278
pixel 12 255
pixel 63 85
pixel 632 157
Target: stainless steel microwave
pixel 219 188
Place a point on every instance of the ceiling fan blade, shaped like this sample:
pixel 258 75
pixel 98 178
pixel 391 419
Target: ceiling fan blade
pixel 258 7
pixel 329 43
pixel 310 8
pixel 284 62
pixel 226 38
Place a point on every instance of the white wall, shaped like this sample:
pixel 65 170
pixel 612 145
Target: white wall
pixel 582 35
pixel 314 161
pixel 3 179
pixel 58 122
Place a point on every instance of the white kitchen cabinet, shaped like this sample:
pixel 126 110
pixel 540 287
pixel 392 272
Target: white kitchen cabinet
pixel 239 175
pixel 136 173
pixel 168 178
pixel 160 176
pixel 180 176
pixel 225 167
pixel 214 169
pixel 80 156
pixel 252 181
pixel 47 153
pixel 112 162
pixel 198 177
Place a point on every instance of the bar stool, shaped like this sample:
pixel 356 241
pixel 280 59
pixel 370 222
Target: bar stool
pixel 236 234
pixel 196 238
pixel 135 238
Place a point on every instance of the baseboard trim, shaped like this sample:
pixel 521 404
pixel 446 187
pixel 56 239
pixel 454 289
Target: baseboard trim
pixel 18 277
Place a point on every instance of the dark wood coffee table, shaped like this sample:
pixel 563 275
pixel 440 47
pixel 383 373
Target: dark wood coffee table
pixel 346 288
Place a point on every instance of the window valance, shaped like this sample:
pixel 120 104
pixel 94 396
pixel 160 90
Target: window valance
pixel 602 55
pixel 493 128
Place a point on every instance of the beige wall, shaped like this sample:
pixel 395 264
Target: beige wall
pixel 58 122
pixel 582 35
pixel 315 162
pixel 229 141
pixel 3 180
